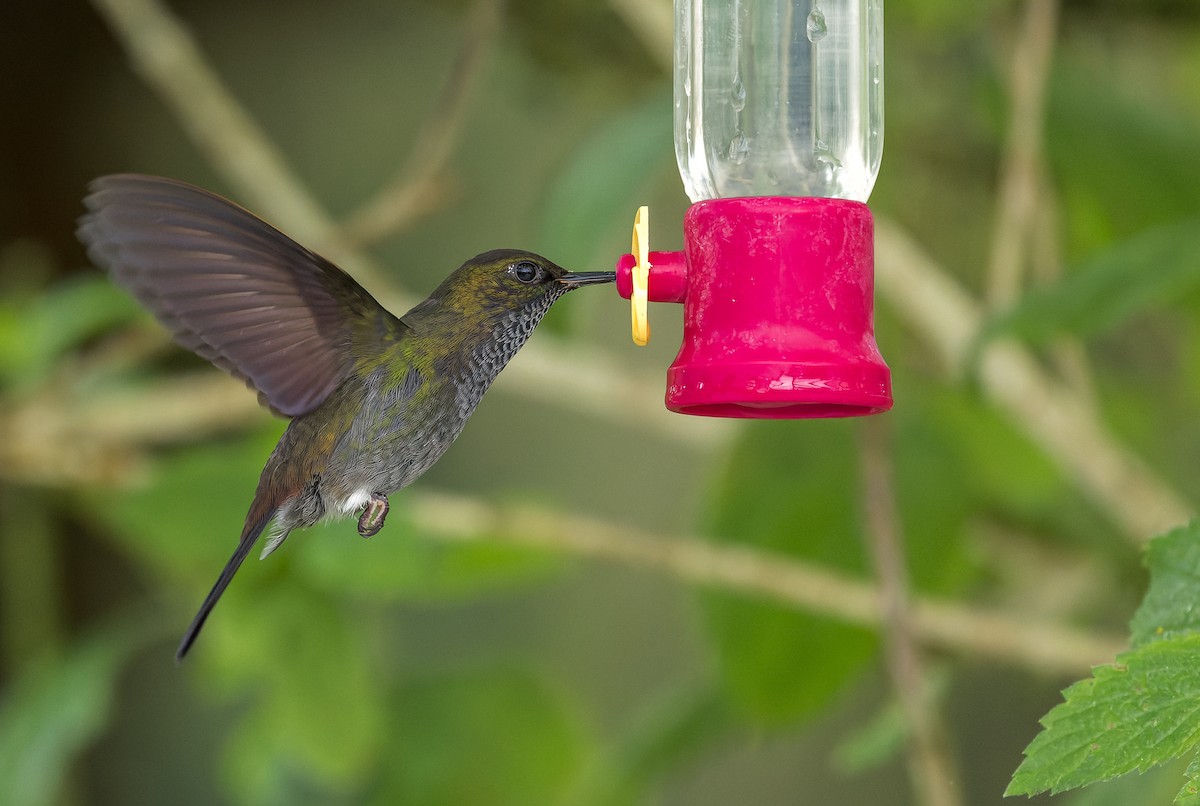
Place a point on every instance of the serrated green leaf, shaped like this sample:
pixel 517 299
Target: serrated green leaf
pixel 1170 605
pixel 1189 795
pixel 495 736
pixel 51 713
pixel 1154 787
pixel 1137 714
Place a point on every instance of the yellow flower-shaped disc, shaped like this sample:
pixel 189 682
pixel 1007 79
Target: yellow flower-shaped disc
pixel 640 276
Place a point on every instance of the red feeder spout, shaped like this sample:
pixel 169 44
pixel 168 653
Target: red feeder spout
pixel 778 309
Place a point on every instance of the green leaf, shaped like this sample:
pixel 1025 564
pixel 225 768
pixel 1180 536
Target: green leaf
pixel 1169 607
pixel 1144 271
pixel 884 736
pixel 1137 714
pixel 671 732
pixel 1124 164
pixel 257 767
pixel 318 707
pixel 875 744
pixel 493 736
pixel 1154 787
pixel 793 488
pixel 593 195
pixel 34 333
pixel 937 491
pixel 51 713
pixel 1134 218
pixel 790 488
pixel 184 518
pixel 1190 794
pixel 587 214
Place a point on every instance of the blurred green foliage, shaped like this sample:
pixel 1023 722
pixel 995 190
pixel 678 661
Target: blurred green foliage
pixel 412 670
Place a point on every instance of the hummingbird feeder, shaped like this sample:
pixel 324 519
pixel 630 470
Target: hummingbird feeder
pixel 778 137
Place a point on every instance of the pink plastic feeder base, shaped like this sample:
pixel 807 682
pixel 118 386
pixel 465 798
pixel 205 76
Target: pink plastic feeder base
pixel 778 297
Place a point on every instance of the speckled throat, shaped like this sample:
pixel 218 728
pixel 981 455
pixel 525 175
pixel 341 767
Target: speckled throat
pixel 473 376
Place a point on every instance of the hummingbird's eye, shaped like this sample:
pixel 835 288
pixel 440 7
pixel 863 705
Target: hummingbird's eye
pixel 526 271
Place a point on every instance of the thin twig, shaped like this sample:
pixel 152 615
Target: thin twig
pixel 416 187
pixel 931 767
pixel 1017 206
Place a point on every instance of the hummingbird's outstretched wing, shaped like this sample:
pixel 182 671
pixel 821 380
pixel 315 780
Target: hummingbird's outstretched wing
pixel 232 288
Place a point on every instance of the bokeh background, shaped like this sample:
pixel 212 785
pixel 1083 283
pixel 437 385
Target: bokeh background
pixel 590 601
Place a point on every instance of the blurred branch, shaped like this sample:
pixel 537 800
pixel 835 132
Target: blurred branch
pixel 1024 641
pixel 66 438
pixel 99 440
pixel 1052 415
pixel 416 189
pixel 930 766
pixel 1017 205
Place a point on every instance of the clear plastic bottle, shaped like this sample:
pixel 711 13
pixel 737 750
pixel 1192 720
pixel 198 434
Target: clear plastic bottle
pixel 778 97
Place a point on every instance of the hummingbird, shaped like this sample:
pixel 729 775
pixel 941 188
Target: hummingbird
pixel 374 400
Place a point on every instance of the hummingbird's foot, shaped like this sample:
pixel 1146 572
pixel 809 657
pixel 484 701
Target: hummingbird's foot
pixel 371 521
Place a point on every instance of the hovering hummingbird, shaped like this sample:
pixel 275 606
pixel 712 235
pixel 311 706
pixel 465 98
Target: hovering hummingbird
pixel 374 400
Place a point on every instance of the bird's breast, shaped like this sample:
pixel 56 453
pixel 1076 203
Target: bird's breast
pixel 398 432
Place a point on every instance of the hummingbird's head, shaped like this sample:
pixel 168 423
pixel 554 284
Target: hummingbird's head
pixel 489 306
pixel 497 284
pixel 477 319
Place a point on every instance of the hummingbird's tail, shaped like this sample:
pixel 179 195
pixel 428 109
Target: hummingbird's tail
pixel 254 527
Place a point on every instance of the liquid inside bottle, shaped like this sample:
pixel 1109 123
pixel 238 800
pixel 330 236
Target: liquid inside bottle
pixel 778 97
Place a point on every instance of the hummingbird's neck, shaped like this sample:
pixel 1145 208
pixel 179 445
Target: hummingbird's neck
pixel 468 349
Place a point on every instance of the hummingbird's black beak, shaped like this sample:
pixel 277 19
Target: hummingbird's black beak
pixel 574 279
